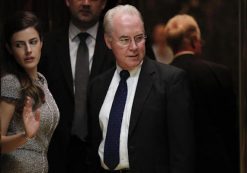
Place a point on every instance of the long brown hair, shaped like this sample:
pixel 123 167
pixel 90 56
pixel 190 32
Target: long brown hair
pixel 17 22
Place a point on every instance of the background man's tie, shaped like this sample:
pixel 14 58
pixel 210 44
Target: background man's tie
pixel 81 80
pixel 111 150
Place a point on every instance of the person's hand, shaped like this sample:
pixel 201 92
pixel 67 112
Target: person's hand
pixel 31 119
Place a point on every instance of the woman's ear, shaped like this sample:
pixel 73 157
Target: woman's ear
pixel 8 48
pixel 41 43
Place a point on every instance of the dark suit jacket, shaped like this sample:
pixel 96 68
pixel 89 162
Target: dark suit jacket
pixel 215 114
pixel 160 136
pixel 56 67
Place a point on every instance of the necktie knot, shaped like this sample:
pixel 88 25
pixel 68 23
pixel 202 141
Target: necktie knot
pixel 83 36
pixel 124 74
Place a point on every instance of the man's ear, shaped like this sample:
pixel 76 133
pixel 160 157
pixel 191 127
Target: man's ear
pixel 108 40
pixel 66 2
pixel 103 6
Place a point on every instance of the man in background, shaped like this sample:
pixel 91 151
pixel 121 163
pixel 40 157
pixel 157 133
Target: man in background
pixel 67 151
pixel 215 114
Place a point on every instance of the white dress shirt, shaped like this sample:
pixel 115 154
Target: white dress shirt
pixel 105 111
pixel 74 42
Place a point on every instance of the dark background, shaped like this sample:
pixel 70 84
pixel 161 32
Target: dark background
pixel 218 20
pixel 222 23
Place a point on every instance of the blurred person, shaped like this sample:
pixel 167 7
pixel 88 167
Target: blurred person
pixel 29 114
pixel 141 122
pixel 162 52
pixel 67 152
pixel 215 115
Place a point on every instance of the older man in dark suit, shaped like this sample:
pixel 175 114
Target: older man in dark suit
pixel 142 122
pixel 215 114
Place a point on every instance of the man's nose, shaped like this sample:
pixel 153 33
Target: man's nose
pixel 133 44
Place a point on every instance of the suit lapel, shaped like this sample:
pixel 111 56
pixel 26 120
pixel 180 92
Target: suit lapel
pixel 62 47
pixel 102 88
pixel 143 89
pixel 99 53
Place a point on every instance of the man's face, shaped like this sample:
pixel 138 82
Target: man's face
pixel 85 13
pixel 127 40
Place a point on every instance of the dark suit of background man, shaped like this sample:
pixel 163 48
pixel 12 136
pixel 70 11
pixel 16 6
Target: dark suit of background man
pixel 215 113
pixel 67 151
pixel 156 129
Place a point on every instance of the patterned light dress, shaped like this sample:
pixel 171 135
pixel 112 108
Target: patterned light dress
pixel 32 156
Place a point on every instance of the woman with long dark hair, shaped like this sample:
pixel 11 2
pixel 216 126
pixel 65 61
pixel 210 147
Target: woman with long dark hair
pixel 28 112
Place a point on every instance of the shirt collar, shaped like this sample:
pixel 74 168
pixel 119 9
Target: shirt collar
pixel 183 52
pixel 132 72
pixel 74 31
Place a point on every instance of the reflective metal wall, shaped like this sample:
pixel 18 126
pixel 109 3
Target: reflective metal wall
pixel 243 83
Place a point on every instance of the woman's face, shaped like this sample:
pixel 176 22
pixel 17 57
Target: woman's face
pixel 26 48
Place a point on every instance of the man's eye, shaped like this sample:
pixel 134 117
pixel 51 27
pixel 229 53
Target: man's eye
pixel 139 38
pixel 124 41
